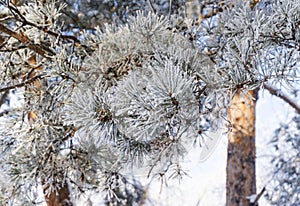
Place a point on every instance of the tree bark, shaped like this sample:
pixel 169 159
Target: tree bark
pixel 241 181
pixel 61 197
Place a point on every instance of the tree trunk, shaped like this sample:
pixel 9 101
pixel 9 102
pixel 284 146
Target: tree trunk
pixel 59 198
pixel 241 182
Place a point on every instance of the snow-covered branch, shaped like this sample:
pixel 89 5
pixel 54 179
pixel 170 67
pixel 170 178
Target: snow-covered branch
pixel 284 97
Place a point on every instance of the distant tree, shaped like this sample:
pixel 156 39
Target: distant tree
pixel 284 186
pixel 135 91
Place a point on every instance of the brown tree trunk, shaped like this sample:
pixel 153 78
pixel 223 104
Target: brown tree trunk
pixel 60 197
pixel 241 182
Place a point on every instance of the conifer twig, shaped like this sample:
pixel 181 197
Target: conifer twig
pixel 43 51
pixel 22 84
pixel 152 7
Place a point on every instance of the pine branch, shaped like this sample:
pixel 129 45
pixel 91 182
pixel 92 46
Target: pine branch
pixel 19 17
pixel 22 84
pixel 22 19
pixel 40 49
pixel 282 96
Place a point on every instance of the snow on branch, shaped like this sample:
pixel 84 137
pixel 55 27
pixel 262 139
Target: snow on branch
pixel 282 96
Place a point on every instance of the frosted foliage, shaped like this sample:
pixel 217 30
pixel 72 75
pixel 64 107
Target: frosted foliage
pixel 150 26
pixel 132 43
pixel 43 16
pixel 284 186
pixel 147 105
pixel 35 12
pixel 132 93
pixel 86 14
pixel 8 72
pixel 139 90
pixel 36 149
pixel 255 51
pixel 89 112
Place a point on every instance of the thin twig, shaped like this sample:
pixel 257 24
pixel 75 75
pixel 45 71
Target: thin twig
pixel 152 7
pixel 45 29
pixel 44 50
pixel 58 35
pixel 170 8
pixel 22 84
pixel 6 18
pixel 258 197
pixel 158 158
pixel 282 96
pixel 40 49
pixel 13 49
